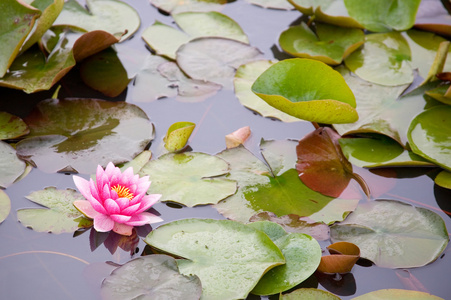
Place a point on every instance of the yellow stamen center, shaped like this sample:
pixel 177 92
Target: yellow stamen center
pixel 122 191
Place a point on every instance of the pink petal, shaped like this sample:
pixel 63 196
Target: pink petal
pixel 82 185
pixel 101 177
pixel 127 177
pixel 143 218
pixel 85 208
pixel 131 210
pixel 97 205
pixel 123 203
pixel 120 218
pixel 148 201
pixel 93 189
pixel 106 192
pixel 123 229
pixel 103 223
pixel 110 170
pixel 111 206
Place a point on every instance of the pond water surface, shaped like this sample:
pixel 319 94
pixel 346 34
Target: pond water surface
pixel 47 266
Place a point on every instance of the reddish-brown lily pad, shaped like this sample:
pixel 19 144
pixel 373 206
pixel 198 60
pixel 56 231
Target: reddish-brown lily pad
pixel 343 257
pixel 322 165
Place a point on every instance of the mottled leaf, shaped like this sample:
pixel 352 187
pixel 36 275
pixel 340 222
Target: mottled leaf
pixel 5 206
pixel 11 127
pixel 189 178
pixel 309 293
pixel 393 234
pixel 59 216
pixel 11 167
pixel 178 135
pixel 397 294
pixel 178 6
pixel 150 277
pixel 79 134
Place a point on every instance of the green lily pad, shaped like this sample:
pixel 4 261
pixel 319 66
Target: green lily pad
pixel 443 179
pixel 150 277
pixel 228 257
pixel 59 216
pixel 107 15
pixel 215 59
pixel 11 127
pixel 78 134
pixel 379 151
pixel 393 234
pixel 385 59
pixel 50 10
pixel 164 39
pixel 189 178
pixel 178 135
pixel 440 93
pixel 5 206
pixel 429 135
pixel 383 15
pixel 274 4
pixel 179 6
pixel 245 76
pixel 104 72
pixel 302 254
pixel 293 223
pixel 331 44
pixel 381 110
pixel 16 21
pixel 260 186
pixel 11 167
pixel 424 46
pixel 397 294
pixel 309 294
pixel 32 72
pixel 212 24
pixel 296 87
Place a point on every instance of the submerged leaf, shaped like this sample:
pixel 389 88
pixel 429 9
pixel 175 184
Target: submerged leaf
pixel 104 72
pixel 11 127
pixel 178 135
pixel 11 167
pixel 296 86
pixel 16 21
pixel 5 206
pixel 275 4
pixel 227 256
pixel 189 178
pixel 302 256
pixel 61 216
pixel 150 277
pixel 393 234
pixel 79 134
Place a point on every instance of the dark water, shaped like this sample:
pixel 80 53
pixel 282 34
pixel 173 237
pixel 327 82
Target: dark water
pixel 47 266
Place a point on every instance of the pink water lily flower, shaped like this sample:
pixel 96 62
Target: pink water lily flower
pixel 116 201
